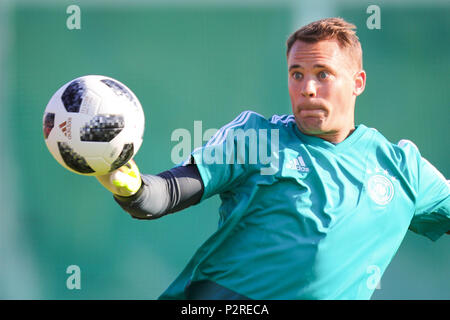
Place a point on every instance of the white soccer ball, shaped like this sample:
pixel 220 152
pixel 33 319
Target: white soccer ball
pixel 93 125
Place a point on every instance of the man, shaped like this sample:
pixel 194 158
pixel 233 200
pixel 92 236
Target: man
pixel 314 224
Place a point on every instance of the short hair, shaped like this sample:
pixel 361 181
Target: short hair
pixel 328 29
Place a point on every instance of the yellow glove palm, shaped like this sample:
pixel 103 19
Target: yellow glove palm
pixel 124 181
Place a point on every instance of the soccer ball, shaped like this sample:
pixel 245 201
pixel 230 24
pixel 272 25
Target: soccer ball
pixel 93 125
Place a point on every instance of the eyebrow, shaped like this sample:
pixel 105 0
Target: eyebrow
pixel 294 66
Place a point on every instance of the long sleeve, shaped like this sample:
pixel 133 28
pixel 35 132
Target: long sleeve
pixel 168 192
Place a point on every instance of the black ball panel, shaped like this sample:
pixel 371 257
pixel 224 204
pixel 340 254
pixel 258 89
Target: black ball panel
pixel 73 96
pixel 124 156
pixel 118 89
pixel 102 128
pixel 49 123
pixel 73 160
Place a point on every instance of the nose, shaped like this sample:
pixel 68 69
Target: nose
pixel 309 89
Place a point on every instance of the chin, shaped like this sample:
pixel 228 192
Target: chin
pixel 311 127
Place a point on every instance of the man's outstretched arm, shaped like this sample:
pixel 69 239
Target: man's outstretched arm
pixel 152 196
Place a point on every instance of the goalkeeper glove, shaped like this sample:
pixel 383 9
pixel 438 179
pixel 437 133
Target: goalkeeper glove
pixel 124 181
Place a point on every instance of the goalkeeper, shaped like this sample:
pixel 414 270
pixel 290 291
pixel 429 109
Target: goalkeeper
pixel 333 205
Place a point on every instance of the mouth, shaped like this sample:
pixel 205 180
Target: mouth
pixel 312 111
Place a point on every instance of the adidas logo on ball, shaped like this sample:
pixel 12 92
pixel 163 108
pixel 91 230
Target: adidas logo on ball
pixel 66 128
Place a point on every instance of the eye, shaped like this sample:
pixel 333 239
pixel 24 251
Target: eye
pixel 324 74
pixel 297 75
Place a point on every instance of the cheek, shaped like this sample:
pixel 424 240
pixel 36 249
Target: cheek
pixel 342 104
pixel 293 92
pixel 337 93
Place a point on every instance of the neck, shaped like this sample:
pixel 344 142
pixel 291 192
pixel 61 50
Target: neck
pixel 334 137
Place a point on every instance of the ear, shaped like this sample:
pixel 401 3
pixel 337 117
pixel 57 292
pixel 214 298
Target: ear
pixel 360 82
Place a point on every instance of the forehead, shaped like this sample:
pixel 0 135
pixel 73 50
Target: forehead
pixel 321 52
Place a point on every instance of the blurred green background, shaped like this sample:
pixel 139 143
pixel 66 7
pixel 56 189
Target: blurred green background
pixel 189 61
